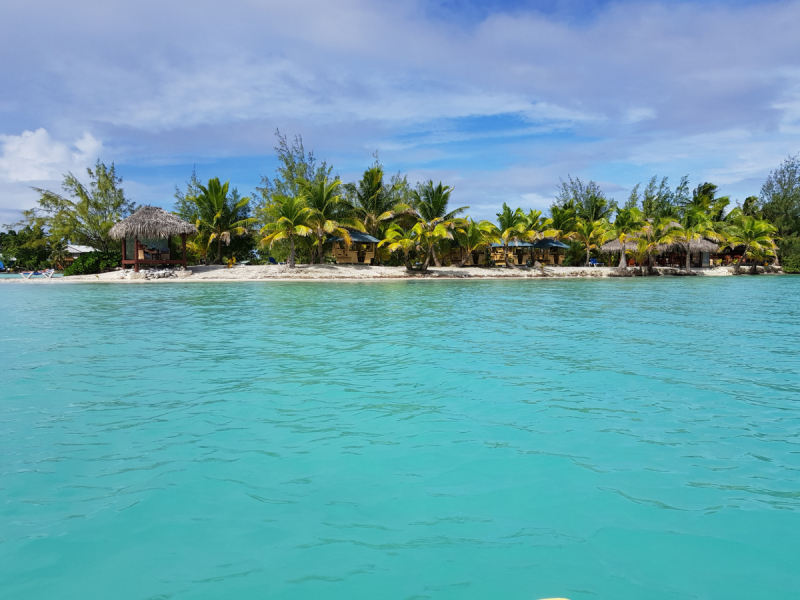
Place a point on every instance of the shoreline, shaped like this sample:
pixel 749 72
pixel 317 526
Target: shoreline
pixel 256 273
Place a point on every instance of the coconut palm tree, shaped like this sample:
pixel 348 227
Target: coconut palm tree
pixel 291 221
pixel 589 234
pixel 219 217
pixel 562 221
pixel 322 197
pixel 757 237
pixel 696 224
pixel 431 203
pixel 403 240
pixel 514 226
pixel 627 225
pixel 655 234
pixel 474 237
pixel 372 201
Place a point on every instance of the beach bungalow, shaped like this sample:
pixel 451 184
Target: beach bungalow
pixel 518 253
pixel 146 234
pixel 549 251
pixel 362 250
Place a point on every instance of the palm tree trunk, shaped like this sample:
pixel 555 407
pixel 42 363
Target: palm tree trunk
pixel 688 259
pixel 219 250
pixel 436 260
pixel 622 263
pixel 505 255
pixel 741 258
pixel 465 260
pixel 588 254
pixel 319 248
pixel 409 266
pixel 291 252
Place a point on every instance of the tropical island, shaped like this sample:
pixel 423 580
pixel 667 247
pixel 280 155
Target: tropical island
pixel 306 223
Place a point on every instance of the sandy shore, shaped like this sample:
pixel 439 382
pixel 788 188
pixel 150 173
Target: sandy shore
pixel 348 273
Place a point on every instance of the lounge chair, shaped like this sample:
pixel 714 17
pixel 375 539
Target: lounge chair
pixel 29 274
pixel 272 261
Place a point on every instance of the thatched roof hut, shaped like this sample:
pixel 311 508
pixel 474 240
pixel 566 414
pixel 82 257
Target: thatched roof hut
pixel 695 246
pixel 151 222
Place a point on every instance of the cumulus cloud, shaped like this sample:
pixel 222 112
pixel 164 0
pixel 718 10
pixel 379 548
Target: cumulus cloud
pixel 495 95
pixel 35 156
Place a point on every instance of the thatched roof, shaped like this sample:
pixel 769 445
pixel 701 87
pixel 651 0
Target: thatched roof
pixel 695 246
pixel 151 222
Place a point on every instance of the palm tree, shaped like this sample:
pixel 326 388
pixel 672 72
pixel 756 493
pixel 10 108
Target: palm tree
pixel 58 254
pixel 627 225
pixel 755 235
pixel 695 225
pixel 404 240
pixel 562 221
pixel 431 203
pixel 473 237
pixel 655 234
pixel 219 217
pixel 373 201
pixel 322 197
pixel 291 217
pixel 513 227
pixel 589 234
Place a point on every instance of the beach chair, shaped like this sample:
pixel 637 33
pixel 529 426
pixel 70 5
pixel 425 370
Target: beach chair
pixel 49 273
pixel 29 274
pixel 592 262
pixel 272 261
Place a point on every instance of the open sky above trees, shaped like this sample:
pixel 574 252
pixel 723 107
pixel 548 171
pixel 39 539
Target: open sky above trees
pixel 498 99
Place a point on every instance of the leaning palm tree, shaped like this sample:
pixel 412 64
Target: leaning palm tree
pixel 696 225
pixel 589 234
pixel 514 226
pixel 474 237
pixel 626 226
pixel 291 221
pixel 322 197
pixel 757 237
pixel 219 217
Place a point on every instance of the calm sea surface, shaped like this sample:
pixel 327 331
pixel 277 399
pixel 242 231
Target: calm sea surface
pixel 634 439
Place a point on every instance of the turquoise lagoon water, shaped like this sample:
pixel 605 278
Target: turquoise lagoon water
pixel 586 439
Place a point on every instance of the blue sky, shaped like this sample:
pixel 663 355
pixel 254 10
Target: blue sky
pixel 499 99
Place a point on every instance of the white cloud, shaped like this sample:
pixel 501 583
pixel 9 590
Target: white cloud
pixel 35 156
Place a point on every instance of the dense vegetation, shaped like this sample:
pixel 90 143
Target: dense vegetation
pixel 294 215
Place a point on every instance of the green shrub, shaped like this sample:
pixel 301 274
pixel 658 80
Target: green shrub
pixel 94 262
pixel 791 264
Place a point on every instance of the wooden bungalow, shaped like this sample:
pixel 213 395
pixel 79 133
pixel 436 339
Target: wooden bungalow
pixel 518 253
pixel 549 251
pixel 145 237
pixel 362 250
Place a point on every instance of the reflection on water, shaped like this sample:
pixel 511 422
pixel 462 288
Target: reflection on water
pixel 527 439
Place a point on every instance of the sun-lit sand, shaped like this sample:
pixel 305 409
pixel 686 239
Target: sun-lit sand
pixel 347 273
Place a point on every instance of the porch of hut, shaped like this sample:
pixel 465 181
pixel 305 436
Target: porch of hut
pixel 155 226
pixel 362 250
pixel 549 251
pixel 518 253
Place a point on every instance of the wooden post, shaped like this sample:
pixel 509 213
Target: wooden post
pixel 183 246
pixel 123 252
pixel 136 254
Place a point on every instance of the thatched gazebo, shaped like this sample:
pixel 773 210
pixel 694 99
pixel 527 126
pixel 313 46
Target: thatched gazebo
pixel 701 246
pixel 151 222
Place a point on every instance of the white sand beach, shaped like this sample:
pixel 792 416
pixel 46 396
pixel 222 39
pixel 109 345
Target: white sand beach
pixel 209 273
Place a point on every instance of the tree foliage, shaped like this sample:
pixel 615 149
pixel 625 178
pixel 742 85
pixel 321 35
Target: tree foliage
pixel 84 215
